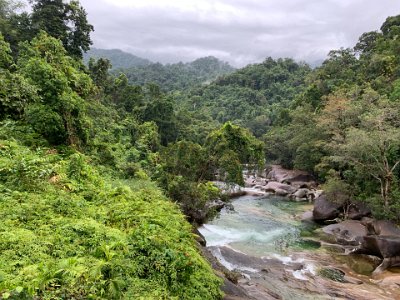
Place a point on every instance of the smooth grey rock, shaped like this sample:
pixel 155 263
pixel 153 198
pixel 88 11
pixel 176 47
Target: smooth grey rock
pixel 325 210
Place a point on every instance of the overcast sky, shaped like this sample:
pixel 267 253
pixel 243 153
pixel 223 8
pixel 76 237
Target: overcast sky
pixel 237 31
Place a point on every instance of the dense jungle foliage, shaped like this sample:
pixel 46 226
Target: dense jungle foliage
pixel 168 77
pixel 81 216
pixel 179 76
pixel 101 171
pixel 339 121
pixel 257 97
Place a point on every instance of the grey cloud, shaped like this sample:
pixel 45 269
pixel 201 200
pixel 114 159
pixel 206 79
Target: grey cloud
pixel 239 31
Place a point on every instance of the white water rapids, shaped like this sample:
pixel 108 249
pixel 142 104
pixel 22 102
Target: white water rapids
pixel 257 230
pixel 256 226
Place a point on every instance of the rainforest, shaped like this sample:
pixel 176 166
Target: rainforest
pixel 109 162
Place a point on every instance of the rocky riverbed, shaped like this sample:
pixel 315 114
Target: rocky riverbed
pixel 277 256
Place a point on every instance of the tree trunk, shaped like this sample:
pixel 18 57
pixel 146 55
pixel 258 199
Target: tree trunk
pixel 386 190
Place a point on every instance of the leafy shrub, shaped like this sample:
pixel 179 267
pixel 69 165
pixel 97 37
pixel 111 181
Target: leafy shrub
pixel 86 236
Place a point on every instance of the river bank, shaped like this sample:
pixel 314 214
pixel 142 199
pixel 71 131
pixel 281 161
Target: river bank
pixel 278 257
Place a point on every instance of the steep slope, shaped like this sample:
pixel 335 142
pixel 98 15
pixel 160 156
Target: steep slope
pixel 69 231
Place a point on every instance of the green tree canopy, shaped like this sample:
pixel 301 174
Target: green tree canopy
pixel 15 90
pixel 62 87
pixel 232 146
pixel 161 110
pixel 66 21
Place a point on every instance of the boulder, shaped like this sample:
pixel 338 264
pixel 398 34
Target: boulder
pixel 348 232
pixel 325 209
pixel 281 192
pixel 315 194
pixel 381 227
pixel 382 246
pixel 199 237
pixel 200 215
pixel 293 177
pixel 250 182
pixel 298 176
pixel 303 185
pixel 382 239
pixel 386 247
pixel 279 188
pixel 357 211
pixel 301 193
pixel 215 205
pixel 231 290
pixel 368 236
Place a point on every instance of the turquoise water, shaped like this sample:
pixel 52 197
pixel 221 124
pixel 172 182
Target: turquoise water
pixel 257 226
pixel 262 239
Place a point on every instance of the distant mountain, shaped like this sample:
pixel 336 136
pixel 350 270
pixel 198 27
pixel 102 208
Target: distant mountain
pixel 178 76
pixel 119 59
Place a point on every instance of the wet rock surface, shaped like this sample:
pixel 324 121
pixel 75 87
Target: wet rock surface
pixel 232 290
pixel 281 278
pixel 359 251
pixel 370 237
pixel 290 273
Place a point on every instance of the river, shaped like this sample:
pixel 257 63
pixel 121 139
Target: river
pixel 262 238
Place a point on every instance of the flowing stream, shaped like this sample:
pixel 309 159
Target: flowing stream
pixel 257 234
pixel 261 238
pixel 257 226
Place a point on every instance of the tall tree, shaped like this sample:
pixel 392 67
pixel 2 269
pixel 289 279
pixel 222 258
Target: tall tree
pixel 64 21
pixel 99 71
pixel 13 26
pixel 372 148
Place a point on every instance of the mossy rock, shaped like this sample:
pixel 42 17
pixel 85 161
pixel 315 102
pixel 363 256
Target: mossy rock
pixel 332 274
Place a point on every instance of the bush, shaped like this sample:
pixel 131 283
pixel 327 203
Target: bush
pixel 85 236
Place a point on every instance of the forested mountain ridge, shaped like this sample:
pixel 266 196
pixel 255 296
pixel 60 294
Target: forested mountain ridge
pixel 178 76
pixel 257 96
pixel 169 77
pixel 118 58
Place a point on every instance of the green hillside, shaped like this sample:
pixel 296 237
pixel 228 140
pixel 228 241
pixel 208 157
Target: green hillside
pixel 179 76
pixel 118 58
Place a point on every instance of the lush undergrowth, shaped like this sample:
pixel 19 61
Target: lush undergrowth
pixel 67 232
